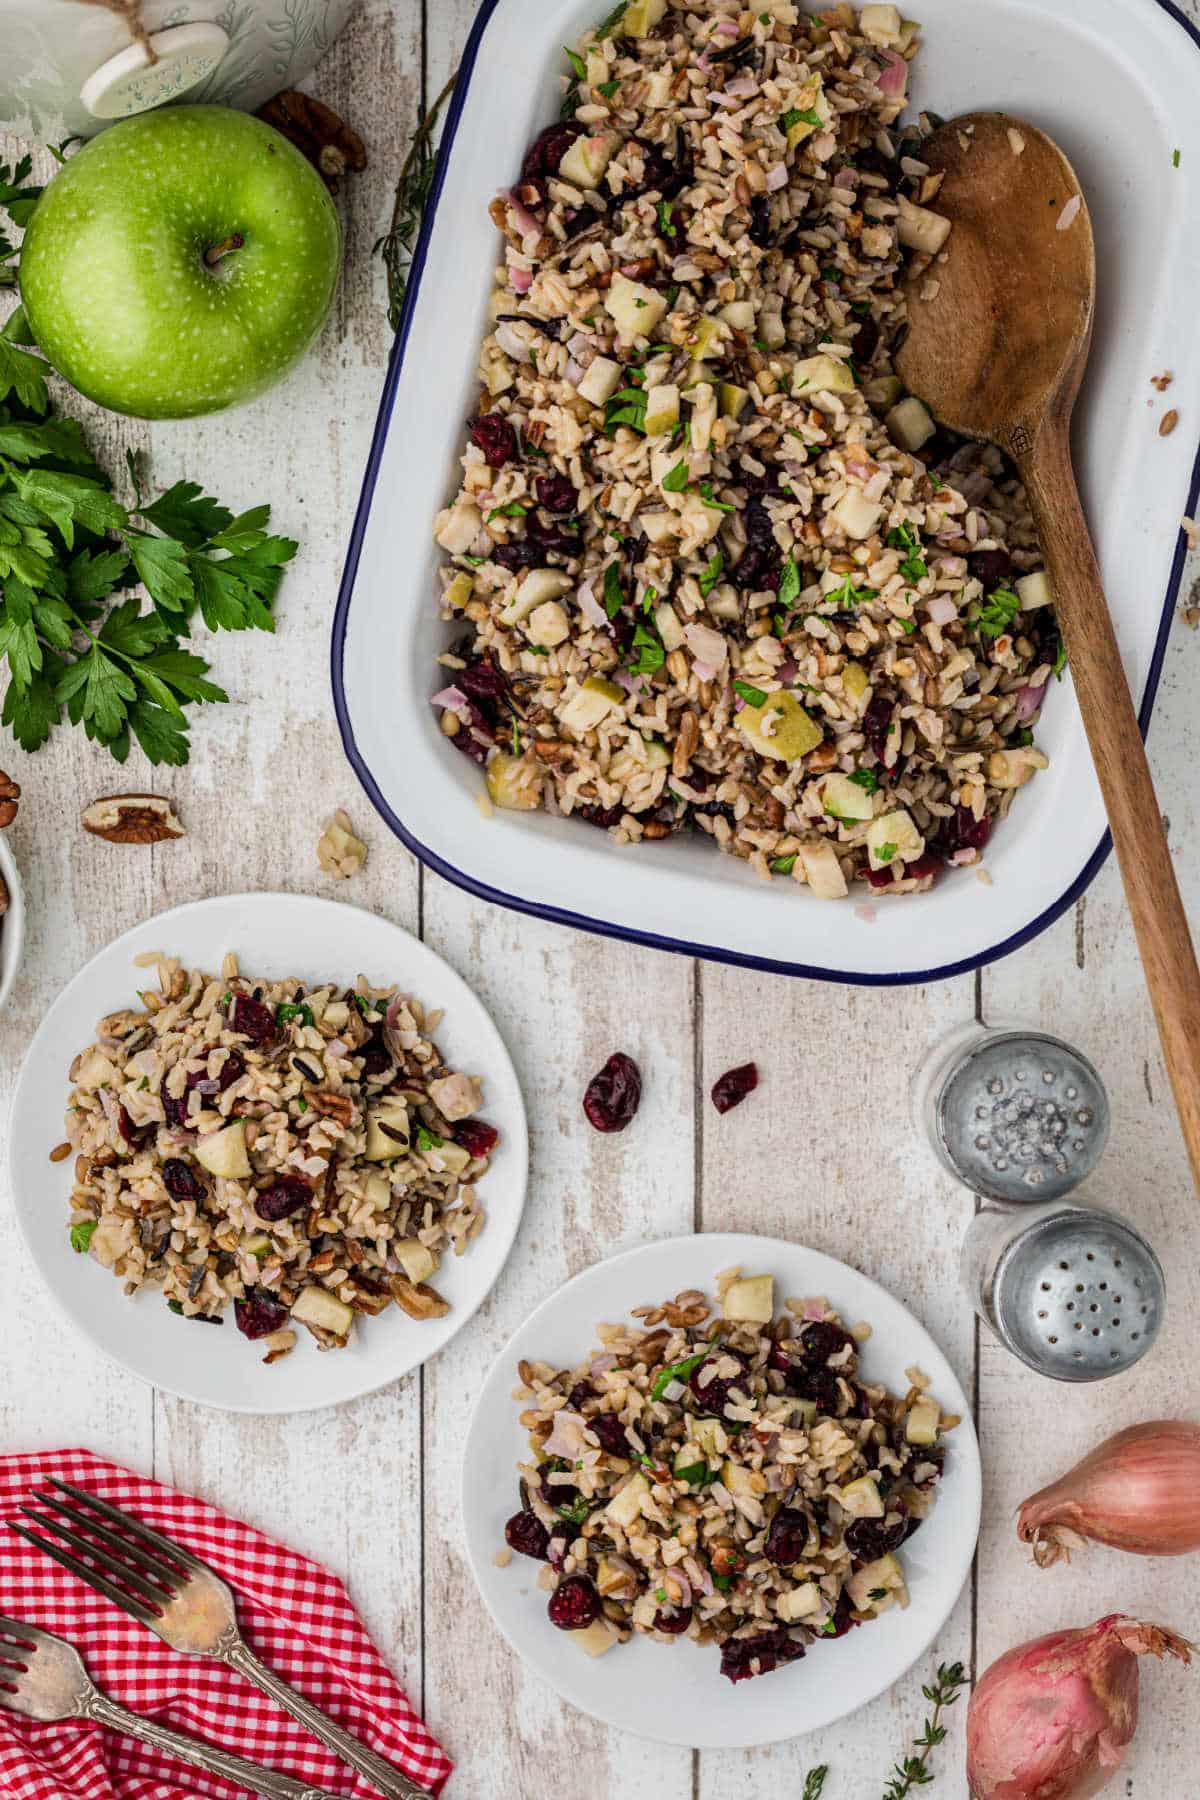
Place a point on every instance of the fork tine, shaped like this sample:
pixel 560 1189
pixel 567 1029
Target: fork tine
pixel 109 1566
pixel 170 1549
pixel 168 1579
pixel 17 1628
pixel 126 1602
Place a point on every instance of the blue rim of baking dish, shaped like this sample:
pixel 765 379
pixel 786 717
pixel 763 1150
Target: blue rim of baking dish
pixel 558 915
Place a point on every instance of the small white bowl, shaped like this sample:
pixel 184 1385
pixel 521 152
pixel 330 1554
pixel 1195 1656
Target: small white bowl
pixel 12 925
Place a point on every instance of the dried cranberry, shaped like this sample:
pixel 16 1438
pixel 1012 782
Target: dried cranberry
pixel 759 231
pixel 288 1196
pixel 869 1539
pixel 476 1136
pixel 376 1057
pixel 251 1019
pixel 767 485
pixel 818 1385
pixel 963 831
pixel 866 343
pixel 547 150
pixel 476 734
pixel 132 1134
pixel 560 537
pixel 181 1180
pixel 731 1088
pixel 494 435
pixel 176 1110
pixel 712 1395
pixel 526 1534
pixel 574 1604
pixel 231 1069
pixel 840 1621
pixel 609 1429
pixel 822 1339
pixel 259 1314
pixel 925 866
pixel 787 1537
pixel 757 570
pixel 614 1094
pixel 876 723
pixel 759 526
pixel 673 1619
pixel 992 567
pixel 510 556
pixel 556 1493
pixel 583 1390
pixel 743 1658
pixel 604 817
pixel 482 681
pixel 557 493
pixel 662 175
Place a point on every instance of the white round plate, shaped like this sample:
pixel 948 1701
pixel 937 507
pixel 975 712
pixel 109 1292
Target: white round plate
pixel 273 935
pixel 675 1692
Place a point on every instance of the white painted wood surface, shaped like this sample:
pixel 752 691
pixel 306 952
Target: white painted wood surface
pixel 824 1153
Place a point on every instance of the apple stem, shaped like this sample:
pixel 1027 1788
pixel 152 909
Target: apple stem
pixel 213 255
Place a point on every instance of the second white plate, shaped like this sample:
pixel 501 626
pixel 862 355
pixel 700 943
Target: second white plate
pixel 272 935
pixel 676 1693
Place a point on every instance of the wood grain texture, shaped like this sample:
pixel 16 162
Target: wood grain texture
pixel 824 1152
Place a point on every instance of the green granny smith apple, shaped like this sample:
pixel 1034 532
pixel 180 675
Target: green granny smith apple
pixel 181 262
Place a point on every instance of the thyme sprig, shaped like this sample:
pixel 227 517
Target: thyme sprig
pixel 814 1784
pixel 914 1771
pixel 412 192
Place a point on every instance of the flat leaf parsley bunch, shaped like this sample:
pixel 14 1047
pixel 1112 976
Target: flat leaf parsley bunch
pixel 74 637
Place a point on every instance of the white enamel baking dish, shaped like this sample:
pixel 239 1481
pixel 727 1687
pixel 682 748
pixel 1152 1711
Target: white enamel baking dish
pixel 1116 83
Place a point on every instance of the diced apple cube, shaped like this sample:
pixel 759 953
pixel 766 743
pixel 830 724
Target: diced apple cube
pixel 597 67
pixel 513 784
pixel 662 410
pixel 881 24
pixel 378 1191
pixel 740 314
pixel 751 1299
pixel 596 1639
pixel 884 1579
pixel 736 1479
pixel 388 1131
pixel 910 424
pixel 709 1435
pixel 800 1602
pixel 626 1505
pixel 921 229
pixel 317 1306
pixel 855 680
pixel 585 162
pixel 96 1071
pixel 223 1153
pixel 707 338
pixel 592 703
pixel 669 628
pixel 894 838
pixel 855 514
pixel 921 1425
pixel 417 1262
pixel 1035 590
pixel 734 400
pixel 883 391
pixel 539 585
pixel 636 309
pixel 822 375
pixel 641 16
pixel 659 525
pixel 780 728
pixel 1013 768
pixel 771 329
pixel 862 1499
pixel 601 380
pixel 458 527
pixel 844 799
pixel 548 625
pixel 824 871
pixel 456 597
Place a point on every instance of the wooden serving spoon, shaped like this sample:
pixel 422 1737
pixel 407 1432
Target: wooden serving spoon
pixel 999 337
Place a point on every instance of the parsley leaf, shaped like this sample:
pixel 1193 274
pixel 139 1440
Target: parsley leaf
pixel 885 852
pixel 998 612
pixel 783 865
pixel 789 583
pixel 751 695
pixel 614 599
pixel 428 1140
pixel 866 779
pixel 650 652
pixel 666 223
pixel 82 1235
pixel 795 116
pixel 712 574
pixel 1060 660
pixel 578 66
pixel 677 479
pixel 706 494
pixel 23 375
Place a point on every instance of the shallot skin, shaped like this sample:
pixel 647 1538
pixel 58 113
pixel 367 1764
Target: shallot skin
pixel 1052 1719
pixel 1137 1491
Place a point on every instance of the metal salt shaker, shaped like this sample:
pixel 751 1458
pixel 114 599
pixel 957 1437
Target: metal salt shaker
pixel 1017 1115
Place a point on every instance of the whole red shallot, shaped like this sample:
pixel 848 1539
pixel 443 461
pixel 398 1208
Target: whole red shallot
pixel 1052 1719
pixel 1139 1491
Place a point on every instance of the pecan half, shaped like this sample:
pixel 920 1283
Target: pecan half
pixel 4 901
pixel 333 1106
pixel 132 819
pixel 417 1298
pixel 10 793
pixel 330 146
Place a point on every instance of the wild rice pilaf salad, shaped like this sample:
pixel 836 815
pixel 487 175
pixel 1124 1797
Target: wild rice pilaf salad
pixel 726 1477
pixel 716 570
pixel 303 1153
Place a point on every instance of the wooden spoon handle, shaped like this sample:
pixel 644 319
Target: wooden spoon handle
pixel 1151 889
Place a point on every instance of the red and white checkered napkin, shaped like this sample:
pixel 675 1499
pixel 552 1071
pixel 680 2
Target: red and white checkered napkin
pixel 294 1614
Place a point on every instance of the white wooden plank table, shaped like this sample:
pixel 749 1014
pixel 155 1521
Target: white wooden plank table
pixel 823 1153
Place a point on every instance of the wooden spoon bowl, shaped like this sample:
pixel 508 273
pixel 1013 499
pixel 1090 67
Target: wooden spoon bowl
pixel 1000 328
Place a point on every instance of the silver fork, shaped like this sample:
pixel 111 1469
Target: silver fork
pixel 183 1602
pixel 43 1678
